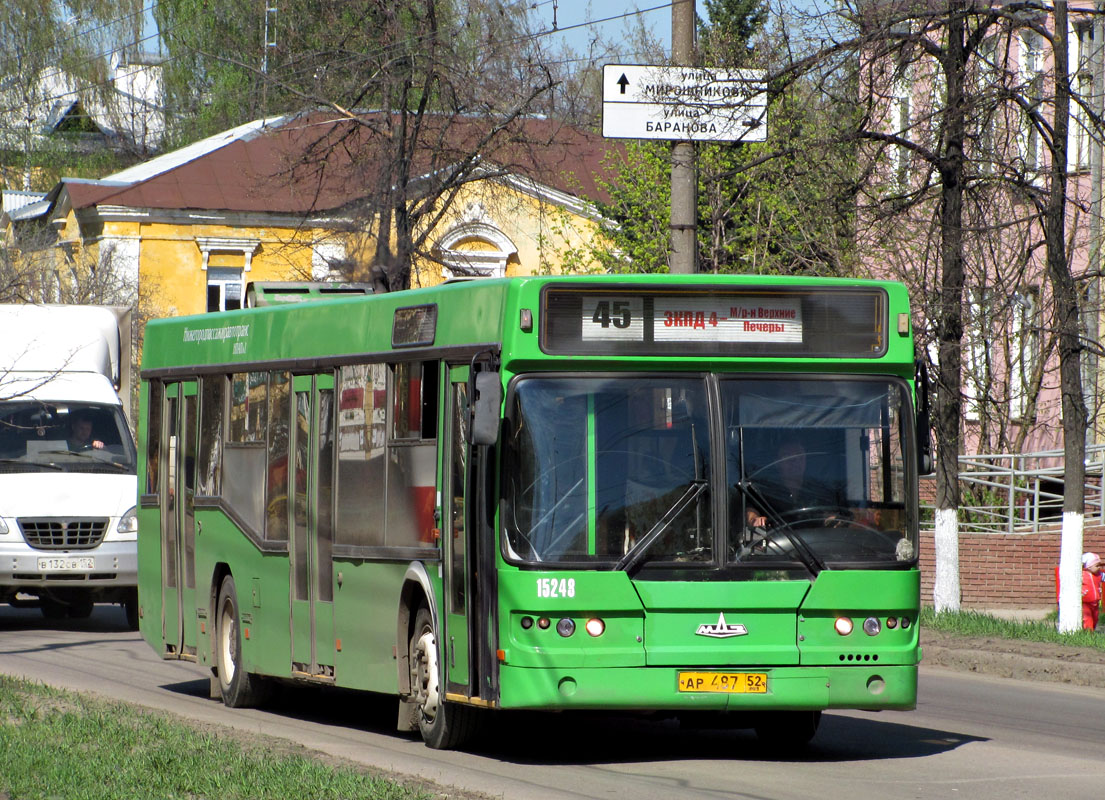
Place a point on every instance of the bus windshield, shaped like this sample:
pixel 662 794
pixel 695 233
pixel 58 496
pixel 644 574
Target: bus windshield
pixel 628 472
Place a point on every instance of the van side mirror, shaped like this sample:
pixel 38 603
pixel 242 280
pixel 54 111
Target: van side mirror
pixel 486 406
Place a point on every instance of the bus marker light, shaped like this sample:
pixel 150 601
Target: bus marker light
pixel 543 623
pixel 872 626
pixel 246 632
pixel 527 623
pixel 843 625
pixel 566 627
pixel 525 321
pixel 595 627
pixel 501 655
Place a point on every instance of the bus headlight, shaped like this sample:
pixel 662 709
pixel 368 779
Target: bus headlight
pixel 128 523
pixel 843 625
pixel 3 526
pixel 595 626
pixel 872 626
pixel 566 627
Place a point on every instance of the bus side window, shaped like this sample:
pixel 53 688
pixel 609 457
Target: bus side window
pixel 153 436
pixel 412 449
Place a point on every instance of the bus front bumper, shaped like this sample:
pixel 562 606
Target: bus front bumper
pixel 657 688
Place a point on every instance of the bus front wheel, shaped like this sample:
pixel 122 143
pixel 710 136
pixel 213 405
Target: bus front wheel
pixel 239 688
pixel 782 730
pixel 443 725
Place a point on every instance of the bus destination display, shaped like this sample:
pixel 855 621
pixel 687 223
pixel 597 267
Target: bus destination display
pixel 773 322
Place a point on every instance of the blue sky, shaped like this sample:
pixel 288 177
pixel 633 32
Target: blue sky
pixel 572 16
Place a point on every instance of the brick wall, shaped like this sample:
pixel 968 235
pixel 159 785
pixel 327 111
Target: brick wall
pixel 1014 570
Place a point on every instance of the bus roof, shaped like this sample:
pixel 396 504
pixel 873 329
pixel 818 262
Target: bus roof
pixel 518 315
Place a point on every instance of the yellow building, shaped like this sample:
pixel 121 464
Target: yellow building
pixel 284 199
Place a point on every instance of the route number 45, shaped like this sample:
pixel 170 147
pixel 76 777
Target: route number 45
pixel 612 312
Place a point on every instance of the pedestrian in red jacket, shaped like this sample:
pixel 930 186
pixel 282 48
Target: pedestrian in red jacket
pixel 1093 573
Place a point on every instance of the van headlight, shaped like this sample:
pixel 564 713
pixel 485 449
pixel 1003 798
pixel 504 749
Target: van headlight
pixel 128 523
pixel 3 526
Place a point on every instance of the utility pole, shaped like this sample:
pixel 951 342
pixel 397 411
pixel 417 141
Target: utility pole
pixel 683 259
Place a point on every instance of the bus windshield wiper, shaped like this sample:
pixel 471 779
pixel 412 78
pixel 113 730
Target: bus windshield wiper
pixel 638 550
pixel 806 555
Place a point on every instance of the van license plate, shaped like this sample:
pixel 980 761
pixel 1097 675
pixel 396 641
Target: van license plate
pixel 730 682
pixel 66 564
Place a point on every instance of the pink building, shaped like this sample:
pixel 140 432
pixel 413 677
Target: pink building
pixel 1011 384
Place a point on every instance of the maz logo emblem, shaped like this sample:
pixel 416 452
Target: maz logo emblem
pixel 721 630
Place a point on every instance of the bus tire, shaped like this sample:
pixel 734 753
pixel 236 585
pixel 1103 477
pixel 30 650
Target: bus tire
pixel 443 725
pixel 239 688
pixel 787 729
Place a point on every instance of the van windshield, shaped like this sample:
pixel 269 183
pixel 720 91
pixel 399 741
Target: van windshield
pixel 38 436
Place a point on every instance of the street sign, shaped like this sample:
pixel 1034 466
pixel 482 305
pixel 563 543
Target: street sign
pixel 683 103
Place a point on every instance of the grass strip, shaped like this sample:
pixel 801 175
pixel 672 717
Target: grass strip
pixel 60 744
pixel 974 623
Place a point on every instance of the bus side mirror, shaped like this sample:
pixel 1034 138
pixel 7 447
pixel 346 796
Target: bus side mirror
pixel 484 429
pixel 925 464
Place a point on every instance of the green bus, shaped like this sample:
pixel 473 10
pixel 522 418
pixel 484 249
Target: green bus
pixel 689 495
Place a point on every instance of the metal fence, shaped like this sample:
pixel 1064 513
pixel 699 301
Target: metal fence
pixel 1021 493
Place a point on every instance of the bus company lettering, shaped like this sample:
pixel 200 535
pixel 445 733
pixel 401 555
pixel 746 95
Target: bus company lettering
pixel 216 334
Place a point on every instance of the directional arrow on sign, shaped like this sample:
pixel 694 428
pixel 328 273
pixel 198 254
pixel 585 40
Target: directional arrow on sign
pixel 623 82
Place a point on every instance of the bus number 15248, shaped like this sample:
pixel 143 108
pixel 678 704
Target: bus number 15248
pixel 551 587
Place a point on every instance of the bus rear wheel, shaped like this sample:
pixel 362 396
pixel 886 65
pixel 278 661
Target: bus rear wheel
pixel 239 688
pixel 443 725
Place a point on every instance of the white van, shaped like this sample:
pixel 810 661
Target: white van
pixel 68 531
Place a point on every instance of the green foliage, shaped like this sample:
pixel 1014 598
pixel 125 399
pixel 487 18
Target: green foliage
pixel 728 36
pixel 974 623
pixel 59 744
pixel 784 206
pixel 766 208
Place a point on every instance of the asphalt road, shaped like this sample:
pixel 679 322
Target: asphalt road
pixel 970 737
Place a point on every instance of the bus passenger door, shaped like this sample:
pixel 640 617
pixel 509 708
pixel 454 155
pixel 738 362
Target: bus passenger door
pixel 178 521
pixel 311 455
pixel 454 535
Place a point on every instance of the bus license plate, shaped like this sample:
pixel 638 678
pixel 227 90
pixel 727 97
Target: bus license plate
pixel 731 682
pixel 66 564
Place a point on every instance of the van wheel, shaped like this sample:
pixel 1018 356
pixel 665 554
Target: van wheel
pixel 239 688
pixel 443 725
pixel 52 609
pixel 80 607
pixel 130 608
